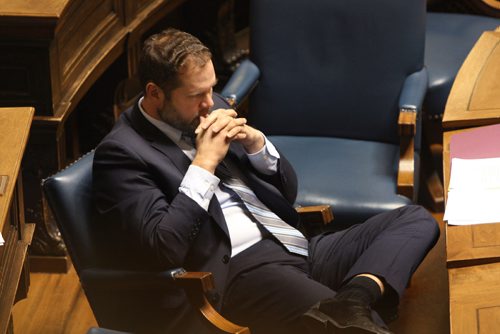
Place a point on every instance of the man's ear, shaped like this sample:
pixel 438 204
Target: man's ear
pixel 153 91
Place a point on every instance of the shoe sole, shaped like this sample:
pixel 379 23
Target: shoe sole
pixel 317 322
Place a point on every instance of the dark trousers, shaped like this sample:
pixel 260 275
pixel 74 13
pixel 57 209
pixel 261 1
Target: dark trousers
pixel 269 288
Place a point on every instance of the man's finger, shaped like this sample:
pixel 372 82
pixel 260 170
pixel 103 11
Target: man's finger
pixel 236 131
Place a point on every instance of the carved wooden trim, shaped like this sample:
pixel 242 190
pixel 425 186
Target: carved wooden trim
pixel 474 98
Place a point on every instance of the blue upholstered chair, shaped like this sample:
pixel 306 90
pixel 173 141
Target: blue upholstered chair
pixel 340 89
pixel 122 294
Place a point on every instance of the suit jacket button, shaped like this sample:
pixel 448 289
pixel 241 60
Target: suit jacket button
pixel 225 259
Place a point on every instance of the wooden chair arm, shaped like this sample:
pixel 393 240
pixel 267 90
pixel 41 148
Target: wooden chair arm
pixel 407 122
pixel 197 285
pixel 407 126
pixel 316 213
pixel 314 218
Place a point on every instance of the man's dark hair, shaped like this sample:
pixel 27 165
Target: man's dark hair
pixel 164 54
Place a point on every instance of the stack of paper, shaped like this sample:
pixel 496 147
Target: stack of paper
pixel 474 192
pixel 474 188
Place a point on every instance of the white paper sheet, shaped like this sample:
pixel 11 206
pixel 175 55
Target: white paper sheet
pixel 1 240
pixel 474 192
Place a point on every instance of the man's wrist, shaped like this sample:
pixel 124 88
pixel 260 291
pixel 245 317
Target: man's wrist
pixel 256 144
pixel 207 164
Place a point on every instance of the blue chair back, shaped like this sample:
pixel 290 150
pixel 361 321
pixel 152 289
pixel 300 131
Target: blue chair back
pixel 69 194
pixel 334 68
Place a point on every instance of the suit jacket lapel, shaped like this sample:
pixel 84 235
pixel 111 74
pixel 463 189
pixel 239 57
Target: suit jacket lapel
pixel 159 140
pixel 167 147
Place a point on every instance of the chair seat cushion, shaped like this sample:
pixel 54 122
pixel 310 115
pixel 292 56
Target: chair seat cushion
pixel 357 178
pixel 449 39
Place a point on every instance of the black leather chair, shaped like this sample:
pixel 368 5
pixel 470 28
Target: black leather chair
pixel 334 79
pixel 123 295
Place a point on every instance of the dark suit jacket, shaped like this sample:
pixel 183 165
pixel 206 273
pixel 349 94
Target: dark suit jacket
pixel 137 173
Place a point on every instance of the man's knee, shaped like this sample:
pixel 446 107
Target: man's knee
pixel 421 220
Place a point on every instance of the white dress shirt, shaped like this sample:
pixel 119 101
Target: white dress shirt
pixel 201 185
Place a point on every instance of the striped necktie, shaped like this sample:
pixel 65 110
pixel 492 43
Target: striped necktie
pixel 290 237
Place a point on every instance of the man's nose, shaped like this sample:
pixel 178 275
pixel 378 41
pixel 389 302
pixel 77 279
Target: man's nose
pixel 208 102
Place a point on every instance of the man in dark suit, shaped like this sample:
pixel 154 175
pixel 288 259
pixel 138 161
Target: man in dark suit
pixel 203 190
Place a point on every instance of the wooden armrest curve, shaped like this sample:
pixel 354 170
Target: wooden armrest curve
pixel 197 285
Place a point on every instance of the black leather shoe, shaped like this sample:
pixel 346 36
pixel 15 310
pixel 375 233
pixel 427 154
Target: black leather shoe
pixel 341 316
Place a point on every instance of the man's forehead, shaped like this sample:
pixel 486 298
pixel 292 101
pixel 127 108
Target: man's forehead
pixel 194 76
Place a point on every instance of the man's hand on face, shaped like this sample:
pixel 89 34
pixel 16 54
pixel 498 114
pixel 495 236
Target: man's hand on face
pixel 216 131
pixel 214 135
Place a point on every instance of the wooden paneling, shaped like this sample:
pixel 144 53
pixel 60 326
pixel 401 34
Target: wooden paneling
pixel 475 299
pixel 89 38
pixel 51 53
pixel 473 251
pixel 15 125
pixel 474 99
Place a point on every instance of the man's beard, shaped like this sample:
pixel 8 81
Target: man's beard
pixel 170 116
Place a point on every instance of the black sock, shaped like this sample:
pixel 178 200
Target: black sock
pixel 360 288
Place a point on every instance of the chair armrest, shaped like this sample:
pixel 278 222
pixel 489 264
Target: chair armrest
pixel 195 284
pixel 241 83
pixel 411 100
pixel 410 106
pixel 313 219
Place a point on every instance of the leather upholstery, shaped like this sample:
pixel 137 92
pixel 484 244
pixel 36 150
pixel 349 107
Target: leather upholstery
pixel 334 172
pixel 329 95
pixel 239 86
pixel 337 66
pixel 449 38
pixel 122 293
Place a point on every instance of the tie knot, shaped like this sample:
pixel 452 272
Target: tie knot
pixel 190 138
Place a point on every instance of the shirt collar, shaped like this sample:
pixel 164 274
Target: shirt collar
pixel 171 132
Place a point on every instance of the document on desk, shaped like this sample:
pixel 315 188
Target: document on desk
pixel 1 240
pixel 474 192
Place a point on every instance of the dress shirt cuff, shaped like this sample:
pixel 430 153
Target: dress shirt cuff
pixel 199 185
pixel 266 160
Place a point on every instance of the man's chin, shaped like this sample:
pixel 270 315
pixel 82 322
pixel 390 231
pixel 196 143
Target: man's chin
pixel 194 125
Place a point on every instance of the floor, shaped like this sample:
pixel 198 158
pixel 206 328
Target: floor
pixel 57 305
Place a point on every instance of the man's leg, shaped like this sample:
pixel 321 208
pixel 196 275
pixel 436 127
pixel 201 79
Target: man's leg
pixel 390 246
pixel 270 289
pixel 367 260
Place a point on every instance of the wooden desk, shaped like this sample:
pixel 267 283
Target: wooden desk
pixel 15 124
pixel 473 252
